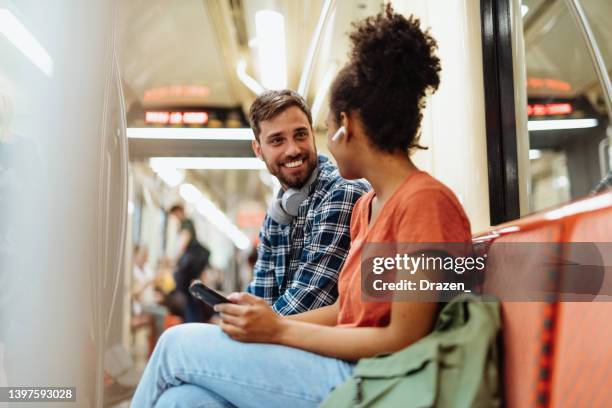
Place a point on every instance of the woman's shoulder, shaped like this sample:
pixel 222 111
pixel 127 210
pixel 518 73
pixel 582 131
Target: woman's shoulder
pixel 424 187
pixel 426 205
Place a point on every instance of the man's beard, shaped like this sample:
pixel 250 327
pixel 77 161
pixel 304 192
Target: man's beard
pixel 296 181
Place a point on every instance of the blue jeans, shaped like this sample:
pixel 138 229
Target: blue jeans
pixel 197 365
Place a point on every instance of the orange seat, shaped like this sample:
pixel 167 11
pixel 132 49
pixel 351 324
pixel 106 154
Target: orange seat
pixel 583 346
pixel 526 325
pixel 556 354
pixel 171 320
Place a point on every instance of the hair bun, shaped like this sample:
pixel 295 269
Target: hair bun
pixel 390 49
pixel 392 65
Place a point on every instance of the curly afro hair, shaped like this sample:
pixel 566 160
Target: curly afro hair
pixel 391 68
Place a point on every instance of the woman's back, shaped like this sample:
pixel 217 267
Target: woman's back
pixel 422 210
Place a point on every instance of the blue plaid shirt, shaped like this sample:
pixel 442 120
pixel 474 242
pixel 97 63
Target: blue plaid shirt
pixel 298 264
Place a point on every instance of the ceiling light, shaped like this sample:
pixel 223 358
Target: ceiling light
pixel 534 125
pixel 208 163
pixel 270 28
pixel 218 218
pixel 191 133
pixel 534 154
pixel 214 215
pixel 190 193
pixel 170 175
pixel 248 80
pixel 24 41
pixel 524 10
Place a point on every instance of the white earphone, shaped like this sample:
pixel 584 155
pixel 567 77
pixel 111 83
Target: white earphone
pixel 339 133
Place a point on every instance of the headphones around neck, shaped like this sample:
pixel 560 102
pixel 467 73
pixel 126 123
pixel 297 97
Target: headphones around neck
pixel 285 207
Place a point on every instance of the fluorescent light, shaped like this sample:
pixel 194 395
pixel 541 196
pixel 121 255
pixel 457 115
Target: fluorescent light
pixel 217 218
pixel 24 41
pixel 534 125
pixel 214 215
pixel 190 193
pixel 270 28
pixel 191 133
pixel 208 163
pixel 524 10
pixel 560 182
pixel 534 154
pixel 322 92
pixel 170 175
pixel 248 80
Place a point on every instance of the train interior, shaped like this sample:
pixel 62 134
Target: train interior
pixel 157 94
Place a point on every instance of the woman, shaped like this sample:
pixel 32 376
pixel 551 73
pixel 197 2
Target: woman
pixel 376 104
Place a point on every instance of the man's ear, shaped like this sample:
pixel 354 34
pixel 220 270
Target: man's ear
pixel 256 149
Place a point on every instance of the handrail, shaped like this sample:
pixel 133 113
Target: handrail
pixel 582 21
pixel 314 46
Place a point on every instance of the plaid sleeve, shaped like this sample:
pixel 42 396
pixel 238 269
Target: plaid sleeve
pixel 315 281
pixel 263 284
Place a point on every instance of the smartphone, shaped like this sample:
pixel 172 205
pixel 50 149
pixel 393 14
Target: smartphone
pixel 200 291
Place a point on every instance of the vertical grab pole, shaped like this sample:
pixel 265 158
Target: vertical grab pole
pixel 121 133
pixel 582 21
pixel 326 11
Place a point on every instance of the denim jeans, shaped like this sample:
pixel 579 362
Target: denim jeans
pixel 197 365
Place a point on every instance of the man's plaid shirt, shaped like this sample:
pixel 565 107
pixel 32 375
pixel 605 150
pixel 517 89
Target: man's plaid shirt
pixel 298 264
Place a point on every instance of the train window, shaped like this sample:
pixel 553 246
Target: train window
pixel 567 115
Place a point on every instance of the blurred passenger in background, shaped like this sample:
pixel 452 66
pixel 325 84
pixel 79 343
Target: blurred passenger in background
pixel 305 236
pixel 146 299
pixel 192 260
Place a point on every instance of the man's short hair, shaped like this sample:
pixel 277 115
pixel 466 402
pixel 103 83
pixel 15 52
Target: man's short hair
pixel 176 207
pixel 271 103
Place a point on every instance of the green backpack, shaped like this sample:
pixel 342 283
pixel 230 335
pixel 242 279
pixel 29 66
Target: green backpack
pixel 455 366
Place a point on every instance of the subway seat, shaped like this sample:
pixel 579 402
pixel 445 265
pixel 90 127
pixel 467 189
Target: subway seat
pixel 556 354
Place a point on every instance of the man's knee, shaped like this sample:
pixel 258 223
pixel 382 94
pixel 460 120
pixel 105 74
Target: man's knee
pixel 184 334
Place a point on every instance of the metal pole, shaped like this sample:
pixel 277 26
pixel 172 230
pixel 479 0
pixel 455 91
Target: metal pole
pixel 326 11
pixel 579 15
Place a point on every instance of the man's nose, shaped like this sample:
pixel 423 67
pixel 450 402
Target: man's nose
pixel 293 149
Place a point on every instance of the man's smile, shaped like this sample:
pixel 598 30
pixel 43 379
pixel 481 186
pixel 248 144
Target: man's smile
pixel 293 164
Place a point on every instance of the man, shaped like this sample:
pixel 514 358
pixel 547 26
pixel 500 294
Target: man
pixel 306 233
pixel 193 258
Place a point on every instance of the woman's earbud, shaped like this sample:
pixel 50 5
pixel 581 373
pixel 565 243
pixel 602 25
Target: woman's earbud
pixel 339 133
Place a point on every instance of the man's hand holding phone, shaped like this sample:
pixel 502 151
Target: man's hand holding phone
pixel 249 319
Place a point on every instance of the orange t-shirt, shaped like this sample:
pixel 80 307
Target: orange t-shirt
pixel 422 210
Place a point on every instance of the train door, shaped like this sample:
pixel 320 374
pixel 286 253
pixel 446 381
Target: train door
pixel 549 106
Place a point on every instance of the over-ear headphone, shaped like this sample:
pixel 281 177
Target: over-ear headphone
pixel 285 207
pixel 339 133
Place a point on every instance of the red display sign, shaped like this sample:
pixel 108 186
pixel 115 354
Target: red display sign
pixel 544 109
pixel 176 118
pixel 548 83
pixel 176 91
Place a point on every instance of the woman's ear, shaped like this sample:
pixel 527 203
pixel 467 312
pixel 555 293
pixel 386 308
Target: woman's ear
pixel 347 124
